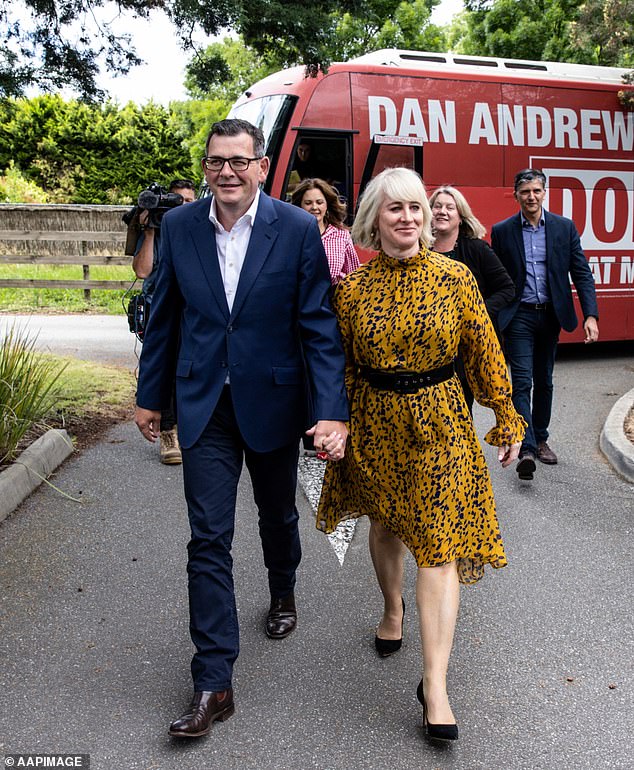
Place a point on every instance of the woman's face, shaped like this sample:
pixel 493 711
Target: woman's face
pixel 400 224
pixel 445 217
pixel 314 202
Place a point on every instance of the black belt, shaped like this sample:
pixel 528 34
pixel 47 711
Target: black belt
pixel 405 382
pixel 536 305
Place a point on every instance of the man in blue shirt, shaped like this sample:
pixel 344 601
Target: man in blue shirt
pixel 541 252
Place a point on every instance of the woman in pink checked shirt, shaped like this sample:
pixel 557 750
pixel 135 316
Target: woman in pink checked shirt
pixel 322 201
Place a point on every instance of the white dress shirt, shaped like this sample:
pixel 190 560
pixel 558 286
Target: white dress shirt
pixel 232 246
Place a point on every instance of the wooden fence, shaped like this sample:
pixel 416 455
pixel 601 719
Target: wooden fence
pixel 34 234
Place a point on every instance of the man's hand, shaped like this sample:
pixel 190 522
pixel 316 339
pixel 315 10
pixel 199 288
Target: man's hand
pixel 507 454
pixel 591 329
pixel 148 422
pixel 330 436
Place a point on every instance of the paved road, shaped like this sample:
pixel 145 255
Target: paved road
pixel 95 651
pixel 102 338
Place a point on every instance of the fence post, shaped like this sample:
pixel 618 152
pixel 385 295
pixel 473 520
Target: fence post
pixel 86 272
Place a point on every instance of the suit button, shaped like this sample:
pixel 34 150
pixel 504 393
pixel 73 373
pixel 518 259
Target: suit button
pixel 229 329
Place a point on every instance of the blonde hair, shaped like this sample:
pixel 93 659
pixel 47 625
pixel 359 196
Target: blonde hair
pixel 470 226
pixel 395 184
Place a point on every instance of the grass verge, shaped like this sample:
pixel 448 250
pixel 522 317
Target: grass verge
pixel 90 399
pixel 107 301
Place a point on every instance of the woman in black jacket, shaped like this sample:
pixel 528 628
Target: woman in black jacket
pixel 458 234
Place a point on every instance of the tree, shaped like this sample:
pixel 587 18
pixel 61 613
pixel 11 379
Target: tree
pixel 53 43
pixel 551 30
pixel 385 25
pixel 610 42
pixel 224 70
pixel 81 153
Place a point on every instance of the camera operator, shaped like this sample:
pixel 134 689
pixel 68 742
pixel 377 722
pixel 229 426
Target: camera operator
pixel 145 265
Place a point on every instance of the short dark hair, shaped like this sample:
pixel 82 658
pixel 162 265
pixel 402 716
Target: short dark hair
pixel 529 175
pixel 235 126
pixel 181 184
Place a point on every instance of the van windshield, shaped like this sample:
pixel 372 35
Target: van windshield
pixel 270 114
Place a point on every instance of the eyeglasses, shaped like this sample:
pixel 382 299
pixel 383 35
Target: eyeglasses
pixel 213 163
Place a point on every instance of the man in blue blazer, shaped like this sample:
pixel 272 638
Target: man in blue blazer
pixel 241 316
pixel 541 252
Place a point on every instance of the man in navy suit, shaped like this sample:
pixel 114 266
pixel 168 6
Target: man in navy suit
pixel 541 252
pixel 241 315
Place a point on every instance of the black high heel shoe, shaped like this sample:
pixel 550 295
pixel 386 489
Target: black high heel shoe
pixel 435 732
pixel 387 647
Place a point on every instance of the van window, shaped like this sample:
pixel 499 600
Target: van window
pixel 382 156
pixel 326 156
pixel 271 114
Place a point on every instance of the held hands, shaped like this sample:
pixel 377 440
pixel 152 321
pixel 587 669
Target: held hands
pixel 148 422
pixel 329 437
pixel 508 454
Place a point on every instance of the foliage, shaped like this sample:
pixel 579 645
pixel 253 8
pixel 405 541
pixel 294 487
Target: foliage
pixel 611 41
pixel 551 30
pixel 193 120
pixel 14 188
pixel 41 51
pixel 224 70
pixel 80 153
pixel 626 96
pixel 55 43
pixel 27 389
pixel 388 25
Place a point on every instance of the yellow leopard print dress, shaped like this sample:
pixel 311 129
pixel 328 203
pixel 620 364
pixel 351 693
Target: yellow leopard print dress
pixel 413 462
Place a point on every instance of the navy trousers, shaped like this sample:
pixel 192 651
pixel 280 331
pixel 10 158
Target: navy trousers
pixel 530 345
pixel 211 470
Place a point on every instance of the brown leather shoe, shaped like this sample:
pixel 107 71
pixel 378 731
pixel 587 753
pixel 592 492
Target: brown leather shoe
pixel 282 617
pixel 206 707
pixel 545 454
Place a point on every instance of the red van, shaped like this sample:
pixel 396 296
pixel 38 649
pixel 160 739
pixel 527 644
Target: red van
pixel 472 122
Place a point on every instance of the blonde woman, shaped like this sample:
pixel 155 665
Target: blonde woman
pixel 413 462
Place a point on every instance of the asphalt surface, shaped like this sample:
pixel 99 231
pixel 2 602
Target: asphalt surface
pixel 95 648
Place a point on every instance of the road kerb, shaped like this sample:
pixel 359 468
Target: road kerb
pixel 614 444
pixel 34 465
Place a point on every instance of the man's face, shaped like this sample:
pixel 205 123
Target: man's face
pixel 188 195
pixel 235 190
pixel 530 196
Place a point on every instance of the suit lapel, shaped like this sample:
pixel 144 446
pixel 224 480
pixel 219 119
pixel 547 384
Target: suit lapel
pixel 204 238
pixel 550 237
pixel 519 239
pixel 263 236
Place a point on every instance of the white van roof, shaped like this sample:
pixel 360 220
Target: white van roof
pixel 450 62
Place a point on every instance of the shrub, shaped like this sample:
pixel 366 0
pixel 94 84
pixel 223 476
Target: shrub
pixel 27 389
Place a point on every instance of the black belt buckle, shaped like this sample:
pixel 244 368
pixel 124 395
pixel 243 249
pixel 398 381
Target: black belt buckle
pixel 406 385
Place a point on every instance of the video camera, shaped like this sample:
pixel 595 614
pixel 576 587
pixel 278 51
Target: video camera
pixel 156 200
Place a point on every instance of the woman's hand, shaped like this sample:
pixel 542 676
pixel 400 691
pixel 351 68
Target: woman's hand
pixel 329 439
pixel 507 454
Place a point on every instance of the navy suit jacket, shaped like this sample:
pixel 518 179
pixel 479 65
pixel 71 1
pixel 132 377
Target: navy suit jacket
pixel 279 344
pixel 564 258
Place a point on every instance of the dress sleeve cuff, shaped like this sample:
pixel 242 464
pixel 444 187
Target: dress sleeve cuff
pixel 510 428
